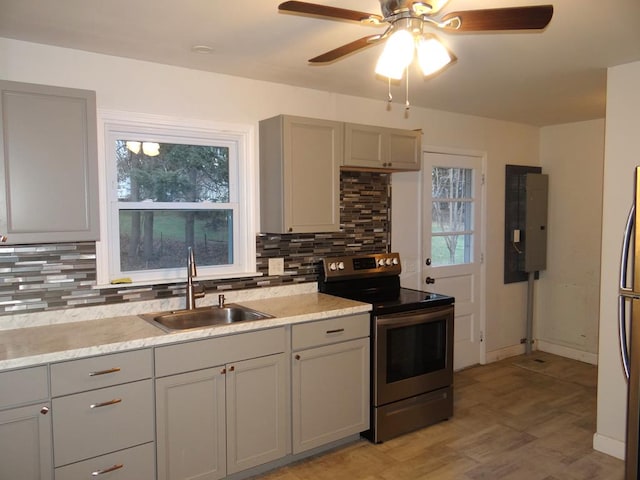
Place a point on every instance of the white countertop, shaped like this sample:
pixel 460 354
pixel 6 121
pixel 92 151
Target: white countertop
pixel 33 345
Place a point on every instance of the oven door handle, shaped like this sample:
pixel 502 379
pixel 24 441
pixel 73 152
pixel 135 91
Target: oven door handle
pixel 414 317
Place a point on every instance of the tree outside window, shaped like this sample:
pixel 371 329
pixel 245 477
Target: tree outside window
pixel 451 214
pixel 161 198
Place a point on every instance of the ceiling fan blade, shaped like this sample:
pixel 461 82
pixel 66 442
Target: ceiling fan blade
pixel 513 18
pixel 346 49
pixel 330 12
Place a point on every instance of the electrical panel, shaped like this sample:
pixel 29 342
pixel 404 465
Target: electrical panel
pixel 535 222
pixel 525 222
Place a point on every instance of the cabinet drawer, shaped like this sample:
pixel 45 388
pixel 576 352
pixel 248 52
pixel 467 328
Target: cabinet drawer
pixel 28 385
pixel 208 353
pixel 102 421
pixel 133 463
pixel 332 330
pixel 98 372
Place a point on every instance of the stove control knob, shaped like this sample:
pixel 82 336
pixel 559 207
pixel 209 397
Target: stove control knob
pixel 381 262
pixel 333 267
pixel 341 266
pixel 388 262
pixel 395 261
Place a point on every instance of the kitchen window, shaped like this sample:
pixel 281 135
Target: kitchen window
pixel 173 185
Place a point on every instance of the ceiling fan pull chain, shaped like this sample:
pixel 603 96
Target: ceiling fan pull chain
pixel 406 104
pixel 390 97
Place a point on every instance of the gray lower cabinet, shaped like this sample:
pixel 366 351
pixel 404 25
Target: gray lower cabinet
pixel 48 164
pixel 103 417
pixel 219 420
pixel 130 464
pixel 25 443
pixel 190 423
pixel 330 380
pixel 25 425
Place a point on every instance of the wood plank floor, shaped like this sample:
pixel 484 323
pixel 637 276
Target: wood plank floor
pixel 525 418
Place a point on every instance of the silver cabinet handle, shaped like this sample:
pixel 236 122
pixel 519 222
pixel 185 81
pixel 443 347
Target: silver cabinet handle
pixel 107 470
pixel 44 410
pixel 104 404
pixel 337 330
pixel 104 372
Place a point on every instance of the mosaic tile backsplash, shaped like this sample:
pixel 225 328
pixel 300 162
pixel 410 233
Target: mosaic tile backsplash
pixel 37 278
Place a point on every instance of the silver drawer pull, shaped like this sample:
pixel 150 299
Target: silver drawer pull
pixel 337 330
pixel 104 404
pixel 104 372
pixel 107 470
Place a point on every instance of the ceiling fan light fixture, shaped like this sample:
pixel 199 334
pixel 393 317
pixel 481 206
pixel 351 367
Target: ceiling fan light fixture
pixel 397 55
pixel 432 55
pixel 421 8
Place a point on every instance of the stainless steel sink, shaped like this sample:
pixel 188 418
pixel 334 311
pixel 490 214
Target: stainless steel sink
pixel 203 317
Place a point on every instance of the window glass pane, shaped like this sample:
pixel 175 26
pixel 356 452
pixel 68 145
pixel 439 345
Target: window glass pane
pixel 154 239
pixel 451 182
pixel 167 172
pixel 451 217
pixel 451 249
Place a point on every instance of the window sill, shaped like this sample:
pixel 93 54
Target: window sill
pixel 175 280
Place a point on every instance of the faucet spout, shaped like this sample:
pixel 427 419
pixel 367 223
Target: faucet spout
pixel 191 294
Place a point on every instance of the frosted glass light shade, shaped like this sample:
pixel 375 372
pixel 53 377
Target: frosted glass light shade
pixel 133 146
pixel 432 55
pixel 151 149
pixel 397 55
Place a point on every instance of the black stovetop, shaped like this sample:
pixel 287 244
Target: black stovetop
pixel 374 279
pixel 403 300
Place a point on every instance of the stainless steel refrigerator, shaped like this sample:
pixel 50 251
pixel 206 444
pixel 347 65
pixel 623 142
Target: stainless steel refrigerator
pixel 629 329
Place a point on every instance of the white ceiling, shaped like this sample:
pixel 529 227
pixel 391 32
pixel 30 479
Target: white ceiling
pixel 539 78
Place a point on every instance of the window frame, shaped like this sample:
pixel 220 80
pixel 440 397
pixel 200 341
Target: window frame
pixel 115 125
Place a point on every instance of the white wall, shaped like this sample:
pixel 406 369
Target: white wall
pixel 567 294
pixel 622 154
pixel 130 85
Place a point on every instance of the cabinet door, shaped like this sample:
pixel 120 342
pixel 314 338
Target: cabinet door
pixel 365 146
pixel 48 164
pixel 404 149
pixel 390 149
pixel 330 398
pixel 257 422
pixel 300 162
pixel 190 423
pixel 25 443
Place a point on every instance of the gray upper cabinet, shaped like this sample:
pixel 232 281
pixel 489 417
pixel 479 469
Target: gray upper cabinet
pixel 300 162
pixel 48 164
pixel 390 149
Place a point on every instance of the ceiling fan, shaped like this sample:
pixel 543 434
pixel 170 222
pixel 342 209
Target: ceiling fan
pixel 411 17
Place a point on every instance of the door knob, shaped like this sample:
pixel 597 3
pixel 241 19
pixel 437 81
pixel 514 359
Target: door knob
pixel 430 280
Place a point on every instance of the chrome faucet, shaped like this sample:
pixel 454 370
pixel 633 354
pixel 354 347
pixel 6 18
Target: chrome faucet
pixel 191 288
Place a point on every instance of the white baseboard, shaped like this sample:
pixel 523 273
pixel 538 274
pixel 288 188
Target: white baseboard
pixel 608 445
pixel 567 352
pixel 503 353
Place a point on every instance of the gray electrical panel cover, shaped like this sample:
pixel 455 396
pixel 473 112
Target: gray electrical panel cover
pixel 535 254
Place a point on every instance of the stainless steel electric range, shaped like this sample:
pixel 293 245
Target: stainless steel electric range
pixel 411 342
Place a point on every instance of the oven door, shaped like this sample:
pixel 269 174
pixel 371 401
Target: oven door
pixel 413 353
